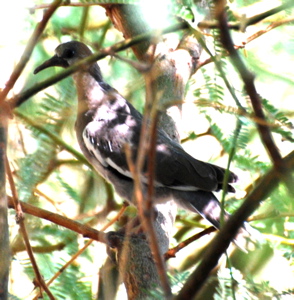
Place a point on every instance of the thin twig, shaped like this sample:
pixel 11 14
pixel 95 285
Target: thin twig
pixel 70 4
pixel 269 28
pixel 251 38
pixel 145 202
pixel 78 253
pixel 20 220
pixel 248 80
pixel 23 96
pixel 172 252
pixel 248 21
pixel 144 214
pixel 29 49
pixel 77 227
pixel 149 135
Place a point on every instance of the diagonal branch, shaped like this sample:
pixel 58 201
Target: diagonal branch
pixel 248 21
pixel 23 96
pixel 20 220
pixel 29 49
pixel 86 231
pixel 222 240
pixel 248 79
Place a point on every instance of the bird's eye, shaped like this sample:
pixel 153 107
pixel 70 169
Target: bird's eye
pixel 68 53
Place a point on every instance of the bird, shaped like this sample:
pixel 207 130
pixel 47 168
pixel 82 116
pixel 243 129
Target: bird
pixel 106 122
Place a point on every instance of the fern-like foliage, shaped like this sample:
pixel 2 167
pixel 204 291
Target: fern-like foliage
pixel 70 284
pixel 35 167
pixel 211 90
pixel 285 126
pixel 232 286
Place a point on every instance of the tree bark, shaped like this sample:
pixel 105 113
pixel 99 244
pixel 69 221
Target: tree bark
pixel 4 237
pixel 165 88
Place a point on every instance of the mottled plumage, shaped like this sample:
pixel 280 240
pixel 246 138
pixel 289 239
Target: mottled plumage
pixel 106 122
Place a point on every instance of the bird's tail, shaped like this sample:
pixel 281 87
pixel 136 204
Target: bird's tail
pixel 201 202
pixel 207 205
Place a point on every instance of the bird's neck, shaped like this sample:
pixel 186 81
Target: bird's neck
pixel 90 92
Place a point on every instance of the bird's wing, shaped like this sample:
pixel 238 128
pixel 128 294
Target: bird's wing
pixel 179 170
pixel 108 134
pixel 174 168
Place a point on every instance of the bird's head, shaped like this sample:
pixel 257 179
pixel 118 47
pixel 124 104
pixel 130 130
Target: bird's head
pixel 67 54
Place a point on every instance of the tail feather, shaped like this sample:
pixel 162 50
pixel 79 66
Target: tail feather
pixel 201 202
pixel 207 205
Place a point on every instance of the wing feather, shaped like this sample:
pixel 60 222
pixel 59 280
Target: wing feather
pixel 174 168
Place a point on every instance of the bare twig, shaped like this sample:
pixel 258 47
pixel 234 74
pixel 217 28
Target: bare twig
pixel 248 21
pixel 70 4
pixel 78 253
pixel 144 214
pixel 148 137
pixel 20 220
pixel 61 220
pixel 172 252
pixel 269 28
pixel 41 249
pixel 248 80
pixel 29 49
pixel 251 38
pixel 23 96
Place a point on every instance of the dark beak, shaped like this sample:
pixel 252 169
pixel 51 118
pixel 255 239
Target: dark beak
pixel 54 61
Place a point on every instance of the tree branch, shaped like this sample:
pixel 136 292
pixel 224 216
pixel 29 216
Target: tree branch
pixel 20 220
pixel 61 220
pixel 222 240
pixel 248 79
pixel 23 96
pixel 248 21
pixel 172 252
pixel 4 234
pixel 29 49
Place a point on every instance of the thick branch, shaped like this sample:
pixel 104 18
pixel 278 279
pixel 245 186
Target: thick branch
pixel 165 83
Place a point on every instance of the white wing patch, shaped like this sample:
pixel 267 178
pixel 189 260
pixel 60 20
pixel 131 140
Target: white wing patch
pixel 90 144
pixel 124 172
